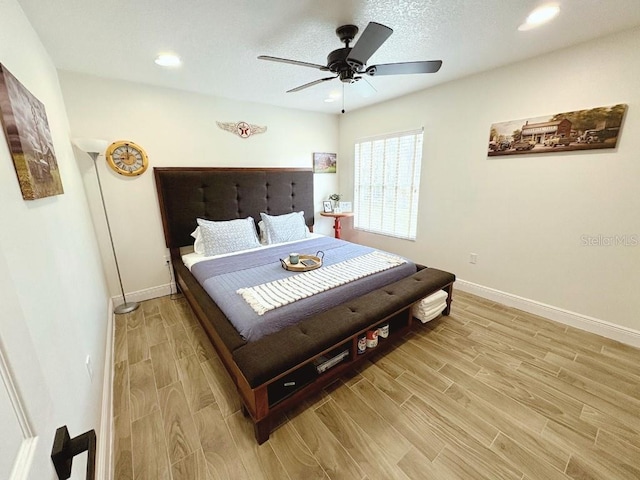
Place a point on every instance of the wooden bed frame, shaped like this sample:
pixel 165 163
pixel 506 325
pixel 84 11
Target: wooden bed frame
pixel 278 371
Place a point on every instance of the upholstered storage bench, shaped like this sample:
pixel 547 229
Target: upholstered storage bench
pixel 276 372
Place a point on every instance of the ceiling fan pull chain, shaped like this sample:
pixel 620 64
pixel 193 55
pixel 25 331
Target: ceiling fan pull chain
pixel 343 98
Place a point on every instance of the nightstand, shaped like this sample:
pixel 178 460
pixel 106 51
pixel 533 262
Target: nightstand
pixel 336 220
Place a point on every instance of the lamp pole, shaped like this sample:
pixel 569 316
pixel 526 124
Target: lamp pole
pixel 125 307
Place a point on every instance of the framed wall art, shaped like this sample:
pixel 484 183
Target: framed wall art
pixel 324 162
pixel 595 128
pixel 27 131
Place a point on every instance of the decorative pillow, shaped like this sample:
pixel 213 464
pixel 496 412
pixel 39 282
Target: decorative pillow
pixel 262 234
pixel 227 237
pixel 198 245
pixel 284 228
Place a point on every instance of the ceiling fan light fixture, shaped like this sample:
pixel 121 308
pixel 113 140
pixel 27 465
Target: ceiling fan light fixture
pixel 347 76
pixel 540 16
pixel 168 60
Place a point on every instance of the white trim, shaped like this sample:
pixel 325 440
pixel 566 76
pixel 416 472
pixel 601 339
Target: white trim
pixel 105 440
pixel 607 329
pixel 14 397
pixel 24 457
pixel 147 294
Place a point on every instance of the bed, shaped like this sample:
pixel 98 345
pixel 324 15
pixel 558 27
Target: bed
pixel 278 369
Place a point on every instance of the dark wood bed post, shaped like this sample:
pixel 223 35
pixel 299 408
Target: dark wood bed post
pixel 262 430
pixel 449 290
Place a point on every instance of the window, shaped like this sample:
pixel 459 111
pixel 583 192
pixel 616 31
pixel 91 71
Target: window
pixel 387 182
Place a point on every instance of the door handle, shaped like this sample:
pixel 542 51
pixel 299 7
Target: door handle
pixel 65 448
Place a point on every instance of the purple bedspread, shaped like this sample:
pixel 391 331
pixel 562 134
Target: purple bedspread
pixel 222 277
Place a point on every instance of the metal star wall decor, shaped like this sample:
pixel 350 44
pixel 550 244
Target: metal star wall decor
pixel 242 129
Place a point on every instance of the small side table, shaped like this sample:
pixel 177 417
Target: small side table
pixel 337 217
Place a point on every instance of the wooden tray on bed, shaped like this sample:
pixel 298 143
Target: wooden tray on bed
pixel 312 262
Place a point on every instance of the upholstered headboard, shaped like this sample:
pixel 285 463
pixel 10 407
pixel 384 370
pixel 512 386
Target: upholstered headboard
pixel 226 194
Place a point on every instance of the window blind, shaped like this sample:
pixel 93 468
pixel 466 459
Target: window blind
pixel 387 183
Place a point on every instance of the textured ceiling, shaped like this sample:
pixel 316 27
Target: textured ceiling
pixel 219 41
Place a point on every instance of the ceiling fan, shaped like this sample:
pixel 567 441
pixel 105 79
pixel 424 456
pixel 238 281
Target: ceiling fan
pixel 348 63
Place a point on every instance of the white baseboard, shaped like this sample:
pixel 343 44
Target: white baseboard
pixel 105 439
pixel 622 334
pixel 147 294
pixel 104 453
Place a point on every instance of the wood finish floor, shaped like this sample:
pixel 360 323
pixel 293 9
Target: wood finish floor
pixel 489 392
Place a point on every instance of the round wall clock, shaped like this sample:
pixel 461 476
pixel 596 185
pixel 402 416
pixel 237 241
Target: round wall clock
pixel 127 158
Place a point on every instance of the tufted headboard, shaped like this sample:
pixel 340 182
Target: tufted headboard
pixel 188 193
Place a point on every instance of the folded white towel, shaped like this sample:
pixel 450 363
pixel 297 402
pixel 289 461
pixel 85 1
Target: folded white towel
pixel 426 315
pixel 433 299
pixel 430 307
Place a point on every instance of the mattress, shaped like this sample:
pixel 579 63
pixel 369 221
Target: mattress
pixel 223 276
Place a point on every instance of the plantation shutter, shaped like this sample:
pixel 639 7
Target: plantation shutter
pixel 387 183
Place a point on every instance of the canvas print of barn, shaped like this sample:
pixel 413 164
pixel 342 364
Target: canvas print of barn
pixel 29 138
pixel 580 130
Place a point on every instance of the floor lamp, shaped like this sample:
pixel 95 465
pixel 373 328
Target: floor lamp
pixel 93 148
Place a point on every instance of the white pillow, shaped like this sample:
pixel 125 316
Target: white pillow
pixel 227 237
pixel 198 245
pixel 262 233
pixel 284 228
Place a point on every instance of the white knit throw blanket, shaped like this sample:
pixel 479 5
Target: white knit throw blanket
pixel 278 293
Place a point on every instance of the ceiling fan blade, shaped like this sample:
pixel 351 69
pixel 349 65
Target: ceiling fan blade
pixel 404 68
pixel 370 40
pixel 310 84
pixel 293 62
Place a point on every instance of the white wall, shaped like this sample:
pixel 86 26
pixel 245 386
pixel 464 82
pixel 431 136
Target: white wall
pixel 524 215
pixel 53 296
pixel 178 129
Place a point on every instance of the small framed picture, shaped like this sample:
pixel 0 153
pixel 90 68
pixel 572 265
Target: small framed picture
pixel 326 205
pixel 324 162
pixel 345 206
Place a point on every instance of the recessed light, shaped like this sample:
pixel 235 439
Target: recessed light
pixel 168 60
pixel 540 16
